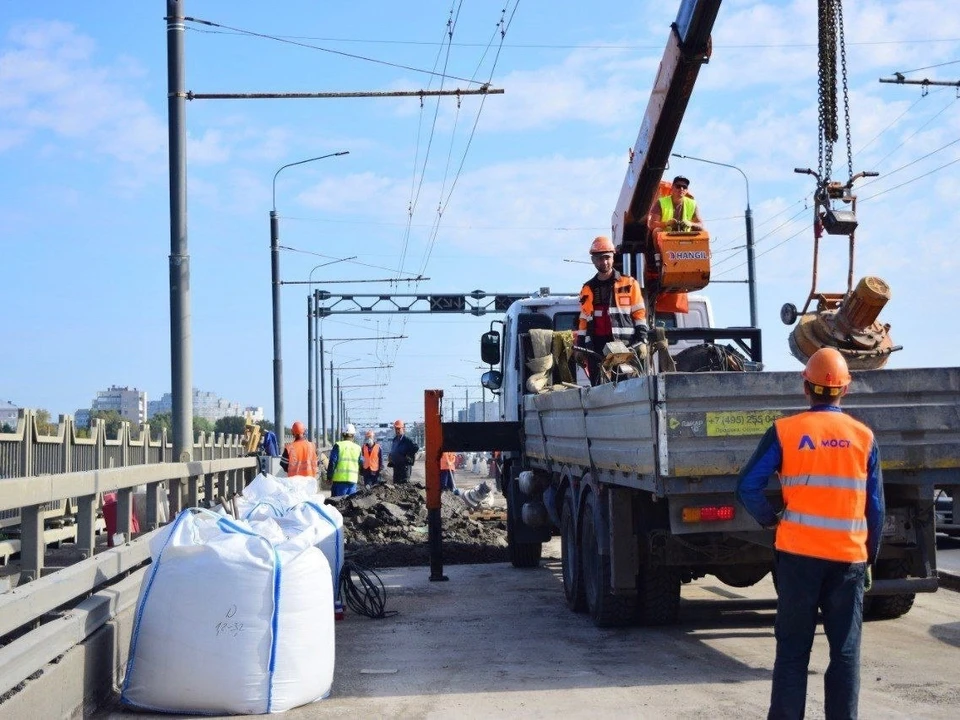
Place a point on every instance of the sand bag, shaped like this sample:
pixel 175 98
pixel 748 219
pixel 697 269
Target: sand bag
pixel 233 618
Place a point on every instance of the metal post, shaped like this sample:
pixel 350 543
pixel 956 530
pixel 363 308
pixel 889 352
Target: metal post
pixel 751 268
pixel 310 425
pixel 333 404
pixel 277 359
pixel 323 392
pixel 181 380
pixel 339 428
pixel 433 442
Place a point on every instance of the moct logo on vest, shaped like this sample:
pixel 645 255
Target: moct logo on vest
pixel 806 443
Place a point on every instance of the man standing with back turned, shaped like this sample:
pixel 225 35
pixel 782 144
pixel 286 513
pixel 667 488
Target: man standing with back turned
pixel 827 535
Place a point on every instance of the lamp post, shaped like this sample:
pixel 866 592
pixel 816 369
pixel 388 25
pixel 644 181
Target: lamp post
pixel 336 342
pixel 275 281
pixel 313 331
pixel 748 219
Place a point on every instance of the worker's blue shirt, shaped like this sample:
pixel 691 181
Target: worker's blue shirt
pixel 767 460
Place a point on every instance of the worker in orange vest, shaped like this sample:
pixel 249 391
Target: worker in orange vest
pixel 827 535
pixel 372 456
pixel 448 465
pixel 611 308
pixel 300 456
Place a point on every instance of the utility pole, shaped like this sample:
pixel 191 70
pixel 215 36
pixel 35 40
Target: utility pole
pixel 181 380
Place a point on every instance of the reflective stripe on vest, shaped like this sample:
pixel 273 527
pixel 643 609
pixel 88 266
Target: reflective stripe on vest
pixel 301 459
pixel 824 485
pixel 666 209
pixel 615 320
pixel 371 457
pixel 348 462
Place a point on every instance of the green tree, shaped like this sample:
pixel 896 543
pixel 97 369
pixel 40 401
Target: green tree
pixel 159 422
pixel 111 419
pixel 266 425
pixel 8 428
pixel 44 425
pixel 233 425
pixel 200 425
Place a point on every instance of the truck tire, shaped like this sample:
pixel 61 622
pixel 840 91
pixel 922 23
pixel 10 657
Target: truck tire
pixel 605 608
pixel 658 596
pixel 522 554
pixel 570 558
pixel 888 607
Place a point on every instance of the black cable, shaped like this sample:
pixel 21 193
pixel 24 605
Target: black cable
pixel 365 595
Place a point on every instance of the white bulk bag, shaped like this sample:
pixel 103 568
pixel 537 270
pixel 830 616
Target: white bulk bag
pixel 329 524
pixel 232 619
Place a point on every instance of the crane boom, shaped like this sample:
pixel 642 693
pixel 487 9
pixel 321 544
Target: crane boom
pixel 688 47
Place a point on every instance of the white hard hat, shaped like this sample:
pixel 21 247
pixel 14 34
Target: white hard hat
pixel 349 429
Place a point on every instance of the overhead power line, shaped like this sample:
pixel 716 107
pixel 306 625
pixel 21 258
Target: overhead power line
pixel 276 38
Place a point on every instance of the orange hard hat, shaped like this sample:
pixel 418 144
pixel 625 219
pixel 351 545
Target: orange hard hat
pixel 297 428
pixel 601 244
pixel 398 424
pixel 828 368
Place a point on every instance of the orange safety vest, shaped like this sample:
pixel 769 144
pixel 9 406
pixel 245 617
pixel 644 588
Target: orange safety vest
pixel 301 459
pixel 824 484
pixel 448 461
pixel 371 457
pixel 616 320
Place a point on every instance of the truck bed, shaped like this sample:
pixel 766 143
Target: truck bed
pixel 693 432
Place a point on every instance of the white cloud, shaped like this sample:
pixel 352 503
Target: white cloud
pixel 52 83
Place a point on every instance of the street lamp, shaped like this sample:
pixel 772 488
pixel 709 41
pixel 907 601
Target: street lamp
pixel 313 330
pixel 340 341
pixel 748 219
pixel 275 280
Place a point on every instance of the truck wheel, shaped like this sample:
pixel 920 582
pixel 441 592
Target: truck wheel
pixel 658 596
pixel 522 554
pixel 606 609
pixel 569 558
pixel 888 607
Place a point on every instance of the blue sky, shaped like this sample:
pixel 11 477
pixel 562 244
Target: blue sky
pixel 84 185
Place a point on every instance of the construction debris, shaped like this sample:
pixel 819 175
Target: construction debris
pixel 386 526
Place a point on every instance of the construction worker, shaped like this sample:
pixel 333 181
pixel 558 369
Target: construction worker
pixel 300 456
pixel 403 453
pixel 676 211
pixel 611 308
pixel 827 535
pixel 372 455
pixel 343 469
pixel 448 465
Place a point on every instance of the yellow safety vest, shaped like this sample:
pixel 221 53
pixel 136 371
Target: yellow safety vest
pixel 348 462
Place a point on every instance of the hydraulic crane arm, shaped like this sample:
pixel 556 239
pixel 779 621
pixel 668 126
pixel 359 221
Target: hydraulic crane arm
pixel 688 47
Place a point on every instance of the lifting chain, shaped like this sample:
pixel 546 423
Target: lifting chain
pixel 830 39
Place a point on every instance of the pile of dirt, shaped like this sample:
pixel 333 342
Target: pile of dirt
pixel 386 526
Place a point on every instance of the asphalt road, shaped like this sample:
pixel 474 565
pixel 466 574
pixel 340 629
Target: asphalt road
pixel 499 642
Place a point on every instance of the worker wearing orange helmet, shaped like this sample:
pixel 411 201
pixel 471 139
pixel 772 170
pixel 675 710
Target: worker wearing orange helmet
pixel 403 454
pixel 827 535
pixel 300 456
pixel 372 457
pixel 611 308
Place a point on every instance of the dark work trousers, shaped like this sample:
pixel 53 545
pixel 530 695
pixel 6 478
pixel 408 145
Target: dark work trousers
pixel 401 474
pixel 805 585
